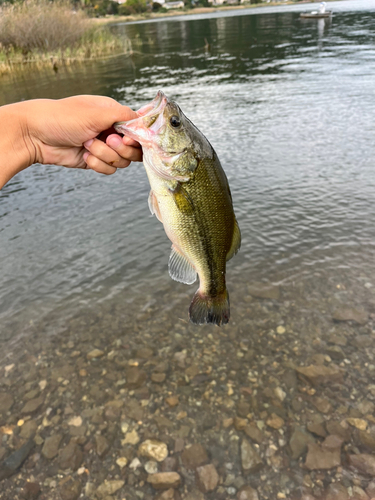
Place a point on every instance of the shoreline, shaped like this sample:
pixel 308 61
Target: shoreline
pixel 111 19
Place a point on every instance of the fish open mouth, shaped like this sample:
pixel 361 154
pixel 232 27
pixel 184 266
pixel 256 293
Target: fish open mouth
pixel 155 106
pixel 148 123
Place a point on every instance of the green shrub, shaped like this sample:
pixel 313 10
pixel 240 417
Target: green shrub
pixel 133 7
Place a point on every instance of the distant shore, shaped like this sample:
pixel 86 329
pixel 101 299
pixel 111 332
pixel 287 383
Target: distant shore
pixel 198 10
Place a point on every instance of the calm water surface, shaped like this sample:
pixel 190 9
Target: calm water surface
pixel 289 107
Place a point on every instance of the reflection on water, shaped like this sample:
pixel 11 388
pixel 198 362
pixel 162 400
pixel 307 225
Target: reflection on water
pixel 288 105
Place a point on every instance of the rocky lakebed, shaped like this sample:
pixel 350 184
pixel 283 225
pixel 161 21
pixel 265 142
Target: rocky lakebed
pixel 134 403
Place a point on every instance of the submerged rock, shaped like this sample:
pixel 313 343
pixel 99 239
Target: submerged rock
pixel 364 463
pixel 109 488
pixel 51 446
pixel 350 314
pixel 247 493
pixel 299 441
pixel 70 489
pixel 250 458
pixel 207 478
pixel 320 374
pixel 155 450
pixel 264 291
pixel 15 460
pixel 194 456
pixel 324 456
pixel 164 480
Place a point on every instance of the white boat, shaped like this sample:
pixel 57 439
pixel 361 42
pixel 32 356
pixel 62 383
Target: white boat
pixel 317 14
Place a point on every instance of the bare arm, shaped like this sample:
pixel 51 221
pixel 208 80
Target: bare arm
pixel 64 132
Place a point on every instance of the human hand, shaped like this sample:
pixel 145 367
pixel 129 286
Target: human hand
pixel 64 132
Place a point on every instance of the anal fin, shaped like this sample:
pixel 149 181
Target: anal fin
pixel 236 241
pixel 153 205
pixel 180 268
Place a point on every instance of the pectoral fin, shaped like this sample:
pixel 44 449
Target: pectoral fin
pixel 182 199
pixel 153 205
pixel 236 241
pixel 180 268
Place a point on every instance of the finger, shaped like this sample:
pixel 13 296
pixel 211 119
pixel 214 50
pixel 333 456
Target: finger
pixel 130 142
pixel 128 152
pixel 98 165
pixel 105 153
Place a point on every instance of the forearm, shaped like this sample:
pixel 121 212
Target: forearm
pixel 16 149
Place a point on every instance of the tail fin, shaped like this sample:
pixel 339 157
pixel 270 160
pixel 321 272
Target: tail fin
pixel 206 309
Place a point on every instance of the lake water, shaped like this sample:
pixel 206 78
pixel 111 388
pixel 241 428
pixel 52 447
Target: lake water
pixel 289 106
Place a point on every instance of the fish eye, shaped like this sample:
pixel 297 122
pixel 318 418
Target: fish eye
pixel 175 121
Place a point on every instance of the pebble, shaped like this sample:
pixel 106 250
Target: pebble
pixel 250 459
pixel 172 401
pixel 94 354
pixel 207 478
pixel 31 490
pixel 350 314
pixel 280 394
pixel 317 428
pixel 240 423
pixel 167 495
pixel 275 421
pixel 135 377
pixel 71 456
pixel 325 456
pixel 254 433
pixel 109 488
pixel 6 402
pixel 322 404
pixel 359 494
pixel 51 446
pixel 102 445
pixel 336 492
pixel 15 460
pixel 358 423
pixel 135 463
pixel 264 291
pixel 170 464
pixel 280 330
pixel 370 490
pixel 124 427
pixel 339 429
pixel 194 456
pixel 367 439
pixel 70 489
pixel 151 467
pixel 75 421
pixel 320 374
pixel 299 441
pixel 121 462
pixel 158 378
pixel 131 437
pixel 33 405
pixel 364 462
pixel 155 450
pixel 164 480
pixel 28 429
pixel 247 493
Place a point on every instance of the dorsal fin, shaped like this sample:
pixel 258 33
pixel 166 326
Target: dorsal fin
pixel 180 268
pixel 236 241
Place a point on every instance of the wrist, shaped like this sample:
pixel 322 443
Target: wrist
pixel 17 150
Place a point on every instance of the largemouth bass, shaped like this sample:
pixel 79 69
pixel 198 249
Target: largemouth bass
pixel 190 195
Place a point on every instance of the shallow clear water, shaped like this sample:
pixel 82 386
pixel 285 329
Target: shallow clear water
pixel 288 105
